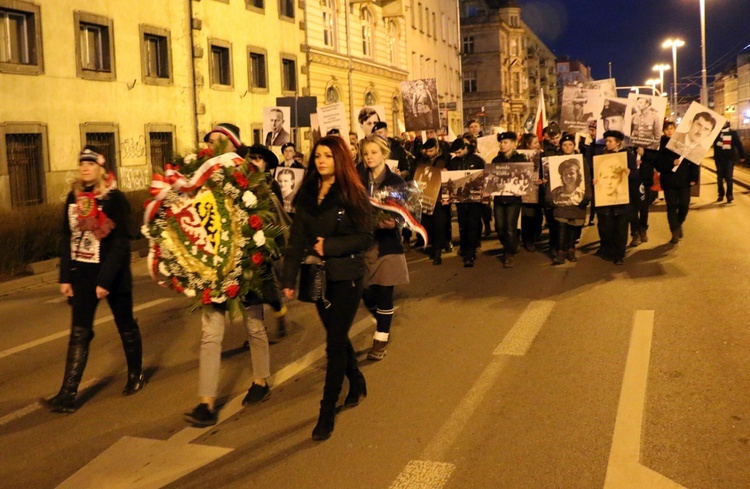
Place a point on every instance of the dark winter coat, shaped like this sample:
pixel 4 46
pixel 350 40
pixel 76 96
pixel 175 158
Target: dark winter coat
pixel 388 240
pixel 687 173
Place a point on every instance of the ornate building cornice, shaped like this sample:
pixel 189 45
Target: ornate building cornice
pixel 358 66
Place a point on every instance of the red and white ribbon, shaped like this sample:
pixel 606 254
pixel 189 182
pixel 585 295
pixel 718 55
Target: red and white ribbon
pixel 411 223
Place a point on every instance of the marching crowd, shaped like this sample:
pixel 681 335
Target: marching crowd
pixel 364 251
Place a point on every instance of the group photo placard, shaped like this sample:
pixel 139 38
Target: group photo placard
pixel 462 186
pixel 611 179
pixel 511 179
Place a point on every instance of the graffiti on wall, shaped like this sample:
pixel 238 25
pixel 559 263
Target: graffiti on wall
pixel 134 178
pixel 131 148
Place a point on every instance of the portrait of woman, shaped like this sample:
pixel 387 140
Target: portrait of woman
pixel 571 188
pixel 611 186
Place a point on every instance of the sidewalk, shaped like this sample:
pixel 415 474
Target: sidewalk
pixel 741 173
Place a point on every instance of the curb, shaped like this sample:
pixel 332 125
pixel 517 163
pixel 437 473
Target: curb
pixel 43 278
pixel 744 174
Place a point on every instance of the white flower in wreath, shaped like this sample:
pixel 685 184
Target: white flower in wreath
pixel 231 191
pixel 259 238
pixel 190 158
pixel 163 269
pixel 145 231
pixel 249 199
pixel 190 293
pixel 219 300
pixel 217 177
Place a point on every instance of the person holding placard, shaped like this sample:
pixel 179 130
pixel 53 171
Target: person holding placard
pixel 508 207
pixel 469 213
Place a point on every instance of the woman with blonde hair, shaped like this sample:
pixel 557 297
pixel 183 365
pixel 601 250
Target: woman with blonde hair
pixel 386 263
pixel 95 264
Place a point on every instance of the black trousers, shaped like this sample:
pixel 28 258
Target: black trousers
pixel 567 235
pixel 438 226
pixel 470 227
pixel 531 223
pixel 725 172
pixel 506 225
pixel 613 232
pixel 639 218
pixel 553 228
pixel 85 302
pixel 344 297
pixel 379 300
pixel 678 204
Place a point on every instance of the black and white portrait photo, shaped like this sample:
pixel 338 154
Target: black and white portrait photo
pixel 645 118
pixel 462 186
pixel 428 180
pixel 611 179
pixel 696 132
pixel 566 179
pixel 612 118
pixel 582 102
pixel 289 180
pixel 421 108
pixel 367 117
pixel 276 126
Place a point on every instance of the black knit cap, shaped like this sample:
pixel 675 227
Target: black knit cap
pixel 507 135
pixel 379 125
pixel 614 134
pixel 430 143
pixel 568 137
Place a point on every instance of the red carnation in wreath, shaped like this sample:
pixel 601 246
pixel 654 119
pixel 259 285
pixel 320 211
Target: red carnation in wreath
pixel 255 222
pixel 206 297
pixel 257 258
pixel 240 179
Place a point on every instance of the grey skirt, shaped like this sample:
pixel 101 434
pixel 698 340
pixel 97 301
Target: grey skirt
pixel 385 270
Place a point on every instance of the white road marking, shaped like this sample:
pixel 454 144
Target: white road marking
pixel 151 464
pixel 428 472
pixel 624 469
pixel 65 333
pixel 143 464
pixel 20 413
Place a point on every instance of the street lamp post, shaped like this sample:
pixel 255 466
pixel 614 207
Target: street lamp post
pixel 674 44
pixel 661 68
pixel 651 82
pixel 704 86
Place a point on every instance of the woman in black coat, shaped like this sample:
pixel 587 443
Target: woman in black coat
pixel 333 222
pixel 95 264
pixel 386 263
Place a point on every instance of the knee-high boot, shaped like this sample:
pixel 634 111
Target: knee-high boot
pixel 132 345
pixel 75 363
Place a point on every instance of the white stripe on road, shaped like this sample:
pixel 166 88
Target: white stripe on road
pixel 63 334
pixel 428 472
pixel 186 435
pixel 20 413
pixel 624 470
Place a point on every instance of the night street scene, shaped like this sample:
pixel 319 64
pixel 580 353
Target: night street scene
pixel 398 244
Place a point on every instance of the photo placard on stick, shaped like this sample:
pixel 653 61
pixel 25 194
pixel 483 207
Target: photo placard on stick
pixel 427 178
pixel 612 118
pixel 333 116
pixel 645 118
pixel 582 102
pixel 367 116
pixel 697 131
pixel 462 186
pixel 421 109
pixel 611 177
pixel 276 126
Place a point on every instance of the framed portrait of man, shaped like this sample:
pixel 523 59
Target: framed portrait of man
pixel 421 104
pixel 276 126
pixel 611 179
pixel 645 118
pixel 367 117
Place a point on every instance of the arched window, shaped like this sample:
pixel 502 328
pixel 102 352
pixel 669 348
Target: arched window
pixel 393 42
pixel 368 26
pixel 371 97
pixel 332 95
pixel 329 23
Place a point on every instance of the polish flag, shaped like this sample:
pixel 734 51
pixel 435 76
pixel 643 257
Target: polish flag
pixel 540 121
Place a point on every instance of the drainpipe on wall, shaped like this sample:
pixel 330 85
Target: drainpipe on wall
pixel 351 66
pixel 193 83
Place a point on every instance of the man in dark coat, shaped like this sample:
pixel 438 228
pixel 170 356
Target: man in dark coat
pixel 728 151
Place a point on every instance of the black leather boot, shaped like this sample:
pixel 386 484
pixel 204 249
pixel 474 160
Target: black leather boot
pixel 75 363
pixel 324 428
pixel 357 388
pixel 131 344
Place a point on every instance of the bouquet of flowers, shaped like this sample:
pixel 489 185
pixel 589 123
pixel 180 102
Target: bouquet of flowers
pixel 402 203
pixel 211 228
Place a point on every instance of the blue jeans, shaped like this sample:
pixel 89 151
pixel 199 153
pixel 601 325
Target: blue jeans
pixel 506 225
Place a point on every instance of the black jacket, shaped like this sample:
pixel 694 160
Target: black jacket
pixel 112 253
pixel 686 173
pixel 345 241
pixel 388 240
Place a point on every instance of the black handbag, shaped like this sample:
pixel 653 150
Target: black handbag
pixel 312 280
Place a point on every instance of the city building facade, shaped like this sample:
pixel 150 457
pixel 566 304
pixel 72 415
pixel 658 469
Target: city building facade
pixel 505 66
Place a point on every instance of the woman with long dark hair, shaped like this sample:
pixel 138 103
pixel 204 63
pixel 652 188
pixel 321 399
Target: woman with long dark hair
pixel 333 222
pixel 95 264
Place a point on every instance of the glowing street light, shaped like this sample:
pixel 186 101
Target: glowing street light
pixel 661 68
pixel 674 44
pixel 652 82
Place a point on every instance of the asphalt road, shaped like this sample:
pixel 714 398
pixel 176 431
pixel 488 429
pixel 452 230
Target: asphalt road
pixel 585 375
